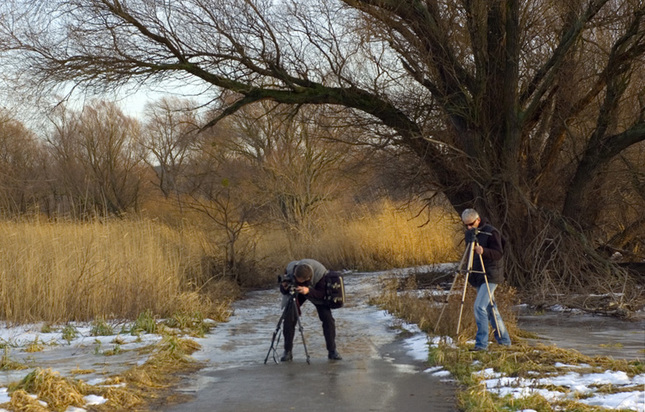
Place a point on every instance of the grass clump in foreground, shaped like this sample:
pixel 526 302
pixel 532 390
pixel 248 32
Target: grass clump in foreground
pixel 141 388
pixel 522 362
pixel 519 362
pixel 58 392
pixel 147 385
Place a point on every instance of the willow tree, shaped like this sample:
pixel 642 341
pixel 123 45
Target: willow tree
pixel 521 108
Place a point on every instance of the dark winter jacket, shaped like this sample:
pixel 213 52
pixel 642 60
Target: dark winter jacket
pixel 491 240
pixel 317 285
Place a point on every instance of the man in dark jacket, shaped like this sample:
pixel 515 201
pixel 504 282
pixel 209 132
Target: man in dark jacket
pixel 487 244
pixel 308 277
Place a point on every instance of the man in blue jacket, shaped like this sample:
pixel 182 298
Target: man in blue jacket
pixel 488 245
pixel 308 277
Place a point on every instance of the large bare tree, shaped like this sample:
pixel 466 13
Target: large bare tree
pixel 521 108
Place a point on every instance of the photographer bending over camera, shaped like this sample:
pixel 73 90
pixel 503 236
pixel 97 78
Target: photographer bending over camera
pixel 306 279
pixel 488 245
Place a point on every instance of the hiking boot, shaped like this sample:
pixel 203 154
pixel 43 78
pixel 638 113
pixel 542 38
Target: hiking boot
pixel 333 355
pixel 477 349
pixel 286 356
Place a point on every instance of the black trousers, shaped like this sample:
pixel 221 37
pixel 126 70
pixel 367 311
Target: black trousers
pixel 325 316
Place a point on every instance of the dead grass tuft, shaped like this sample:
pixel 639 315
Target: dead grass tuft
pixel 34 347
pixel 79 371
pixel 6 363
pixel 175 350
pixel 120 399
pixel 49 386
pixel 149 383
pixel 21 401
pixel 144 378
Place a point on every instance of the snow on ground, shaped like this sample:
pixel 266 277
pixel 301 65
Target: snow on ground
pixel 579 384
pixel 80 355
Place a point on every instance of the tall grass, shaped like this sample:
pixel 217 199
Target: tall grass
pixel 64 271
pixel 81 271
pixel 382 236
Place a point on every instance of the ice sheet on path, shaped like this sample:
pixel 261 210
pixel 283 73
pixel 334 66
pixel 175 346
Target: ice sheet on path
pixel 257 326
pixel 246 338
pixel 596 334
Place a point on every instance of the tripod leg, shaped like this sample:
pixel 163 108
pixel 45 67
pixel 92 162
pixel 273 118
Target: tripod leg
pixel 459 268
pixel 276 334
pixel 490 297
pixel 302 335
pixel 470 251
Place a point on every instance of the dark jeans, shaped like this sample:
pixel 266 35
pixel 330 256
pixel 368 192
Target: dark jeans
pixel 324 314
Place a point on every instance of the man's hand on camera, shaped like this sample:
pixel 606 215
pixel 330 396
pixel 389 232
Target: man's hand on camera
pixel 302 289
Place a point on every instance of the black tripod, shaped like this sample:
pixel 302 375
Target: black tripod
pixel 290 306
pixel 469 256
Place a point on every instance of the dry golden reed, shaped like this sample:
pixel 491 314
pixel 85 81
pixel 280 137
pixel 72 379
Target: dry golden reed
pixel 82 271
pixel 21 401
pixel 58 392
pixel 71 271
pixel 151 382
pixel 383 236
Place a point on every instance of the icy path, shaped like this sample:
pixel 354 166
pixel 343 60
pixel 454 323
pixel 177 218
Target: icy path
pixel 382 367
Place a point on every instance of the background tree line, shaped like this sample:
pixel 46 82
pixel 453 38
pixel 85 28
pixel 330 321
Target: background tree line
pixel 98 162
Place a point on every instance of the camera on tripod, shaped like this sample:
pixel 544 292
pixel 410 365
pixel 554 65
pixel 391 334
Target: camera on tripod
pixel 475 231
pixel 471 234
pixel 290 281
